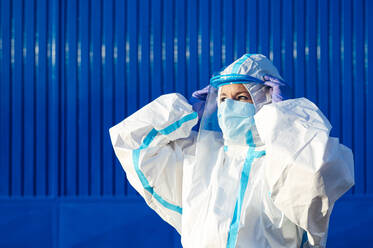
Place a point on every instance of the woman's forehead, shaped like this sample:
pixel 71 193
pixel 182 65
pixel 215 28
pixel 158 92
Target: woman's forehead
pixel 232 88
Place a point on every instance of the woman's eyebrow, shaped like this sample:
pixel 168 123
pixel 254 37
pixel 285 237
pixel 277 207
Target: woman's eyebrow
pixel 240 92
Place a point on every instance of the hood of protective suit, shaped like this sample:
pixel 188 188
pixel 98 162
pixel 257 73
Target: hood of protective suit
pixel 249 70
pixel 254 65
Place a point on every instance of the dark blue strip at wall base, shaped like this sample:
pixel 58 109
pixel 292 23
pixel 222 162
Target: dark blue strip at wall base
pixel 83 223
pixel 70 69
pixel 106 223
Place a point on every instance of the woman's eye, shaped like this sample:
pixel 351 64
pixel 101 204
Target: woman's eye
pixel 242 98
pixel 222 99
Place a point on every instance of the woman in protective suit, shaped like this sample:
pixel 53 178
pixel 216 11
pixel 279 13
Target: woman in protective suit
pixel 260 172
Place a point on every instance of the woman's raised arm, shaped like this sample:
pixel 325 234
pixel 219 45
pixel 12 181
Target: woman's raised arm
pixel 151 146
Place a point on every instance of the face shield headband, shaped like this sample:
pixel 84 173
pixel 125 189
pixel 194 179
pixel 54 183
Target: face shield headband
pixel 259 92
pixel 221 80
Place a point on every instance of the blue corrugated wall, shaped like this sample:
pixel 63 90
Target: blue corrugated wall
pixel 70 69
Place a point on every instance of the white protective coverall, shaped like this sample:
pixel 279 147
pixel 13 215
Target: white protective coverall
pixel 229 195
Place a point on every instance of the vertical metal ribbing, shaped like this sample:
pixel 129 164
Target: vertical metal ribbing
pixel 17 98
pixel 358 95
pixel 53 51
pixel 119 82
pixel 107 96
pixel 334 65
pixel 70 70
pixel 369 89
pixel 77 104
pixel 5 97
pixel 113 158
pixel 100 102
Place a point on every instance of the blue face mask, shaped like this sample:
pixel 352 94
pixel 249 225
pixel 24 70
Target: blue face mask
pixel 236 120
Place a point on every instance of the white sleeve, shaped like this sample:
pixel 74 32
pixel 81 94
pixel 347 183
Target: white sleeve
pixel 151 145
pixel 306 170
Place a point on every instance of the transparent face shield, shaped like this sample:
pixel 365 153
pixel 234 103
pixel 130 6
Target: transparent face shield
pixel 209 141
pixel 259 94
pixel 209 119
pixel 210 137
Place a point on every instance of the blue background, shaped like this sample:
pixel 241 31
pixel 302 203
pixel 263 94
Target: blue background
pixel 71 69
